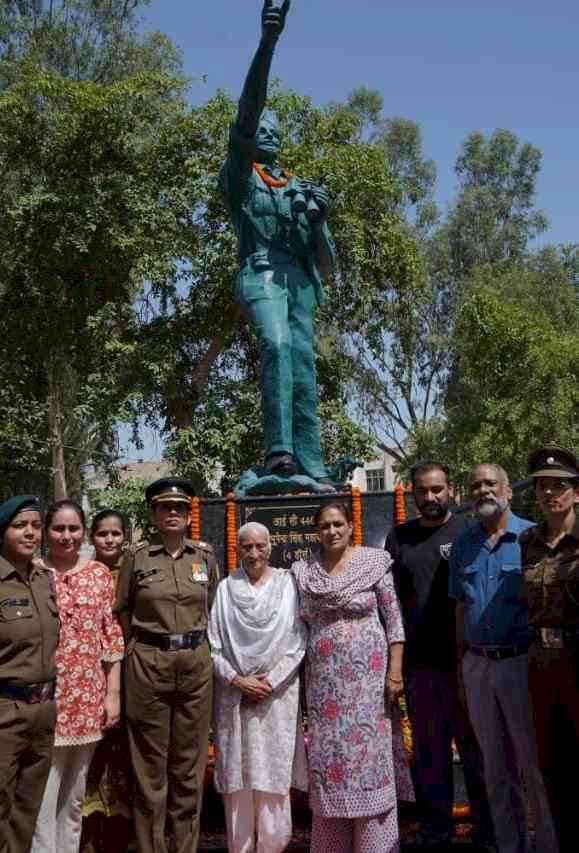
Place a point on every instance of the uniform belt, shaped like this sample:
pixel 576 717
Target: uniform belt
pixel 32 693
pixel 499 652
pixel 171 642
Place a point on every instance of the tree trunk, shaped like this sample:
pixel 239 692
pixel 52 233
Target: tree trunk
pixel 55 420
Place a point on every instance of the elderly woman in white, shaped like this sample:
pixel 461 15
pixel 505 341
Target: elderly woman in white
pixel 258 641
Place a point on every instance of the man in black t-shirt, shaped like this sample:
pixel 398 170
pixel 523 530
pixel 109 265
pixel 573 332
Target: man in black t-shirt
pixel 420 550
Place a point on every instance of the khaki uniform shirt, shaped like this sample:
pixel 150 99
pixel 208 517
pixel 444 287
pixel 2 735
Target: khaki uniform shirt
pixel 166 595
pixel 551 578
pixel 29 624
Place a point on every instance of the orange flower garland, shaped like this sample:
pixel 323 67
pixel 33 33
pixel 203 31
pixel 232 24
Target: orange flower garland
pixel 272 182
pixel 399 504
pixel 195 526
pixel 356 516
pixel 231 531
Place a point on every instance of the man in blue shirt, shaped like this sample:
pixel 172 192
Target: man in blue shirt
pixel 485 580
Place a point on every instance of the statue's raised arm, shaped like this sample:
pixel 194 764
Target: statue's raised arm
pixel 254 93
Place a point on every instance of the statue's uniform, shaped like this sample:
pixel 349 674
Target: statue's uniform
pixel 551 587
pixel 279 286
pixel 29 627
pixel 163 604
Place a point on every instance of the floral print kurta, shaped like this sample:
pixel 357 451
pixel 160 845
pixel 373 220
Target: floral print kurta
pixel 89 636
pixel 350 747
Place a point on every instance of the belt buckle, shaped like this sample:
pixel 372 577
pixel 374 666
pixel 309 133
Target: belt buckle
pixel 35 693
pixel 492 654
pixel 175 643
pixel 551 638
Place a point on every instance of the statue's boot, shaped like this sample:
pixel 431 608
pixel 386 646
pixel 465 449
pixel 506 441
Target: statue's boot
pixel 281 464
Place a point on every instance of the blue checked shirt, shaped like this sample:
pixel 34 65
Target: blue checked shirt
pixel 487 579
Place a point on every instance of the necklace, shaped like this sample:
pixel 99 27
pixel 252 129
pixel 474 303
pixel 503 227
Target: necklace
pixel 276 183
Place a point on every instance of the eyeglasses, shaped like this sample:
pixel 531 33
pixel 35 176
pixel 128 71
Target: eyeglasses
pixel 547 483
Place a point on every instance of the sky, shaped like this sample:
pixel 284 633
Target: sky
pixel 453 67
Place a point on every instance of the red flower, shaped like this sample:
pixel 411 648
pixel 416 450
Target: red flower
pixel 331 709
pixel 335 773
pixel 353 736
pixel 325 647
pixel 376 661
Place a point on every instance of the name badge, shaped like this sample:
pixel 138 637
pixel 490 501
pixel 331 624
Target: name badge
pixel 146 575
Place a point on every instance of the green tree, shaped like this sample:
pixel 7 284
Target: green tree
pixel 81 40
pixel 521 370
pixel 404 386
pixel 93 204
pixel 127 497
pixel 71 257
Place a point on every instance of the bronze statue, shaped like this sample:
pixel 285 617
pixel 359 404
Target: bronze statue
pixel 285 249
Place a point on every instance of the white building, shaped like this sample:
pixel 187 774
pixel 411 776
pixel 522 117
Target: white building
pixel 377 475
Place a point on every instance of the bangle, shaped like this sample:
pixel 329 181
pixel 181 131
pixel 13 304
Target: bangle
pixel 395 680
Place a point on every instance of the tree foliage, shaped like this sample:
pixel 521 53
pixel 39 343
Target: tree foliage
pixel 522 372
pixel 81 40
pixel 93 203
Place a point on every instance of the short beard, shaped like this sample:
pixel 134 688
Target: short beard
pixel 434 512
pixel 490 508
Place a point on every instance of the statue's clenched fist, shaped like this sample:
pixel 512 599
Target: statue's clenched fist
pixel 273 21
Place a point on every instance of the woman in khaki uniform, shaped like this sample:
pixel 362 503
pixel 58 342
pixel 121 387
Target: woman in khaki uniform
pixel 550 559
pixel 166 587
pixel 29 628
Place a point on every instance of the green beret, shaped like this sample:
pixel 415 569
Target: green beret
pixel 553 461
pixel 170 490
pixel 19 503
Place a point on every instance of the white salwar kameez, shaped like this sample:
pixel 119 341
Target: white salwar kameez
pixel 259 748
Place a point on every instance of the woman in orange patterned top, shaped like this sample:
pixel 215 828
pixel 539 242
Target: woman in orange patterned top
pixel 88 661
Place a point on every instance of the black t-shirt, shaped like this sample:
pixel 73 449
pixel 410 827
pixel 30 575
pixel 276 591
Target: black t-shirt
pixel 420 572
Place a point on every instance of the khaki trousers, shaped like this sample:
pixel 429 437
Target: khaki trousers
pixel 26 741
pixel 168 707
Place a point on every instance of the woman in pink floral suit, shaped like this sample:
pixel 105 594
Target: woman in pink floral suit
pixel 353 677
pixel 88 661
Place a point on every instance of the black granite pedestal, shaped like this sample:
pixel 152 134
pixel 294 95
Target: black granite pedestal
pixel 290 521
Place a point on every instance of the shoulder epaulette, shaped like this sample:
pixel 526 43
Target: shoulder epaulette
pixel 198 543
pixel 138 546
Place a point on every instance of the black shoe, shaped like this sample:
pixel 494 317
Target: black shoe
pixel 281 464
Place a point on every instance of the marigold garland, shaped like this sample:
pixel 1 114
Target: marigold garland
pixel 195 526
pixel 231 532
pixel 356 516
pixel 276 183
pixel 399 504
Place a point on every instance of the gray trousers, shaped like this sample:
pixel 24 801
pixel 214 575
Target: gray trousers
pixel 499 704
